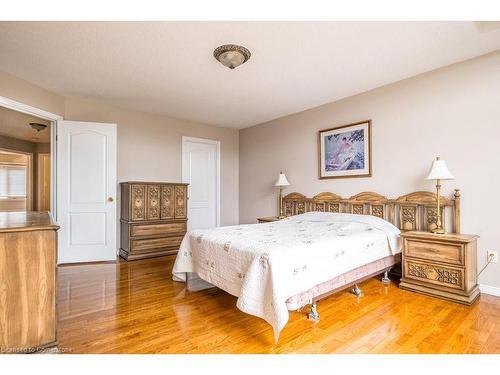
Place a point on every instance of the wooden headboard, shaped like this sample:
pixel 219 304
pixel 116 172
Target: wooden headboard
pixel 414 211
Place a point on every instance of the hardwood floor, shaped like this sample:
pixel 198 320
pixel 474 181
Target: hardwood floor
pixel 135 307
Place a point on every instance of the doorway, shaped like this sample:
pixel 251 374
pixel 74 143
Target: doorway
pixel 23 137
pixel 201 170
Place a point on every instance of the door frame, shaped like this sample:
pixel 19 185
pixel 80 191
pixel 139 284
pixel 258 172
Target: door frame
pixel 39 181
pixel 217 169
pixel 53 118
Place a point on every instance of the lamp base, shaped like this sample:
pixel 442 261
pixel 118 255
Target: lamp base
pixel 438 231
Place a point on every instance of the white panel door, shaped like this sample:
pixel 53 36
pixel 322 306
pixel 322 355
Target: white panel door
pixel 86 191
pixel 200 168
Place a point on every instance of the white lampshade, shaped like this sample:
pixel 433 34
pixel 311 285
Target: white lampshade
pixel 282 181
pixel 439 171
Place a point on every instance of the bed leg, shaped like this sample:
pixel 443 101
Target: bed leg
pixel 386 279
pixel 313 314
pixel 356 291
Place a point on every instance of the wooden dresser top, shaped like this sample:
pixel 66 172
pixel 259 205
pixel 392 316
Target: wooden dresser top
pixel 440 237
pixel 152 183
pixel 26 221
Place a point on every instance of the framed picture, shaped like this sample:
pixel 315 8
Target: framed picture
pixel 345 151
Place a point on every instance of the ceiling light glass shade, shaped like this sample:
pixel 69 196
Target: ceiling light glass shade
pixel 231 55
pixel 231 59
pixel 38 127
pixel 439 171
pixel 281 181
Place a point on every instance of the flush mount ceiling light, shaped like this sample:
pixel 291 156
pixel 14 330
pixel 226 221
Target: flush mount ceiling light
pixel 231 55
pixel 38 127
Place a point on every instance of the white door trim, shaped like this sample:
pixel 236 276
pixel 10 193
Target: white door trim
pixel 21 107
pixel 184 168
pixel 53 118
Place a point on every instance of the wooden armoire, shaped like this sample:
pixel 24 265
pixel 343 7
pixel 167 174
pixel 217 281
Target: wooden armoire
pixel 153 218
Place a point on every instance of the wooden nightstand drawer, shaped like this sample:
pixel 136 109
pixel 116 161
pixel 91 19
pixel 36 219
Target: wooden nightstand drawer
pixel 447 276
pixel 435 251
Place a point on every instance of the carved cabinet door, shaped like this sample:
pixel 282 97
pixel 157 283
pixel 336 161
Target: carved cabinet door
pixel 138 202
pixel 180 201
pixel 167 201
pixel 153 206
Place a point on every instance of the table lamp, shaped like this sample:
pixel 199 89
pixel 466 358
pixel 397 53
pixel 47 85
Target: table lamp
pixel 439 171
pixel 280 182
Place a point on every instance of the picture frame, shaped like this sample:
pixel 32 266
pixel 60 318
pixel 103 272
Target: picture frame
pixel 345 151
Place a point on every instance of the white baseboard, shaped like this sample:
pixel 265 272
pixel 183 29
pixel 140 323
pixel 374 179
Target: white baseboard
pixel 491 290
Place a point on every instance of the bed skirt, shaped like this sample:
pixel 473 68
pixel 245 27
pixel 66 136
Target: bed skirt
pixel 341 282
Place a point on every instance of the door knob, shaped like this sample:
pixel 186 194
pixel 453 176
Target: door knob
pixel 110 199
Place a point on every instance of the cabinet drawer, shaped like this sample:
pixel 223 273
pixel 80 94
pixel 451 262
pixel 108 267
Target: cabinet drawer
pixel 154 244
pixel 157 229
pixel 435 251
pixel 447 276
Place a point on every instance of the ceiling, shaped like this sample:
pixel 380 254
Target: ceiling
pixel 168 68
pixel 16 125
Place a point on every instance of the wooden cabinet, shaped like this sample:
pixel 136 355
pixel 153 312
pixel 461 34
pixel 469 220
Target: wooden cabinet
pixel 153 218
pixel 441 265
pixel 28 253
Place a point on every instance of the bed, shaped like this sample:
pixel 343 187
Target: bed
pixel 325 244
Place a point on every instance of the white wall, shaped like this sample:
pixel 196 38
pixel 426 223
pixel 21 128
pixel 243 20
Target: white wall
pixel 453 112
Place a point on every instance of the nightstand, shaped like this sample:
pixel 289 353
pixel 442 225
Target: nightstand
pixel 268 219
pixel 440 265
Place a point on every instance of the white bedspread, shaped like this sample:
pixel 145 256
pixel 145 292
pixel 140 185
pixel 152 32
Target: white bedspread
pixel 265 264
